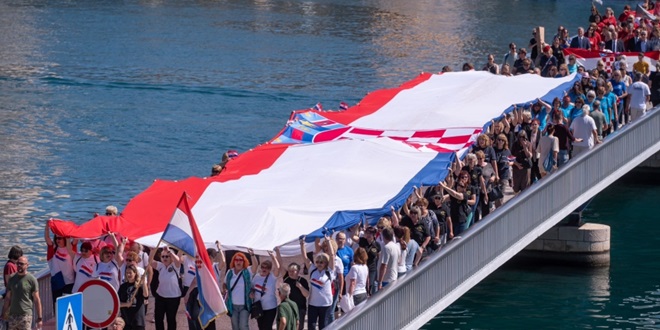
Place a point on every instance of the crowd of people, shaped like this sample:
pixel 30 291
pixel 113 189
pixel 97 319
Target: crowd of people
pixel 528 142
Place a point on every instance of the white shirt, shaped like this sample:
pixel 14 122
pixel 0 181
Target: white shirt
pixel 168 280
pixel 265 294
pixel 360 273
pixel 320 288
pixel 401 263
pixel 583 128
pixel 144 260
pixel 548 143
pixel 638 92
pixel 61 262
pixel 190 270
pixel 238 294
pixel 339 265
pixel 85 268
pixel 390 257
pixel 108 271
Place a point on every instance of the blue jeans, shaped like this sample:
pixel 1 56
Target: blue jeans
pixel 373 284
pixel 315 313
pixel 562 158
pixel 330 315
pixel 239 318
pixel 460 228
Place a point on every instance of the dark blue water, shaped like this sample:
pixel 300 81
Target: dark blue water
pixel 99 98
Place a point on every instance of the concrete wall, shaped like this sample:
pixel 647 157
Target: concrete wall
pixel 587 245
pixel 588 238
pixel 653 162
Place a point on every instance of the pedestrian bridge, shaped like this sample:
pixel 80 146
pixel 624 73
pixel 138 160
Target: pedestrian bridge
pixel 410 302
pixel 415 299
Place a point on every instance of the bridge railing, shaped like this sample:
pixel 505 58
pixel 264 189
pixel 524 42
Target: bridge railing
pixel 45 293
pixel 411 301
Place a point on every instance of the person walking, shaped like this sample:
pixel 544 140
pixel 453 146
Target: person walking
pixel 640 95
pixel 288 316
pixel 22 293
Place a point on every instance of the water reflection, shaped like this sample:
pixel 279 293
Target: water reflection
pixel 25 131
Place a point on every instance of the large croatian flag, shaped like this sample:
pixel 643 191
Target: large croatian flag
pixel 183 234
pixel 333 170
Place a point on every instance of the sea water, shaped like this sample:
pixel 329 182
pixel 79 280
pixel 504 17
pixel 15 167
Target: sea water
pixel 99 98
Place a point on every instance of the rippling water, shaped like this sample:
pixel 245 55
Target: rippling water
pixel 99 98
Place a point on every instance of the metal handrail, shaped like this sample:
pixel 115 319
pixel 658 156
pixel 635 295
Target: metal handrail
pixel 411 301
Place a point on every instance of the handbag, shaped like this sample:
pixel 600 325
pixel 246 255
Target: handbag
pixel 257 310
pixel 549 162
pixel 495 193
pixel 179 279
pixel 346 303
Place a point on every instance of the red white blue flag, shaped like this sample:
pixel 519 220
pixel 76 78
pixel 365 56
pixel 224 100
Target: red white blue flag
pixel 183 234
pixel 318 107
pixel 589 59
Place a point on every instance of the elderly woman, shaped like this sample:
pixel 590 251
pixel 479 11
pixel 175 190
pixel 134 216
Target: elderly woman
pixel 321 276
pixel 264 291
pixel 358 277
pixel 236 290
pixel 169 291
pixel 339 274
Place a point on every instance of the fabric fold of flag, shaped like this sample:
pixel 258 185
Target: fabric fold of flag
pixel 182 233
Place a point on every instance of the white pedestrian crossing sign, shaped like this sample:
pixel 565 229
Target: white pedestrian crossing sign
pixel 69 312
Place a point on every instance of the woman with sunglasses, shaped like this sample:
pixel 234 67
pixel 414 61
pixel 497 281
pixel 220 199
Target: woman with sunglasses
pixel 236 290
pixel 326 246
pixel 111 261
pixel 60 262
pixel 264 290
pixel 84 264
pixel 299 287
pixel 321 276
pixel 169 291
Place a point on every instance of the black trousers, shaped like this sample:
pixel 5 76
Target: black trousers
pixel 265 322
pixel 166 307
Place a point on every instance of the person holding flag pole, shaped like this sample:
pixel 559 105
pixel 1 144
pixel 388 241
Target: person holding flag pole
pixel 169 291
pixel 182 233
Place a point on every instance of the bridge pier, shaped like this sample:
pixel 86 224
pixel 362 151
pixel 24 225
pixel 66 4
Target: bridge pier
pixel 586 245
pixel 652 162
